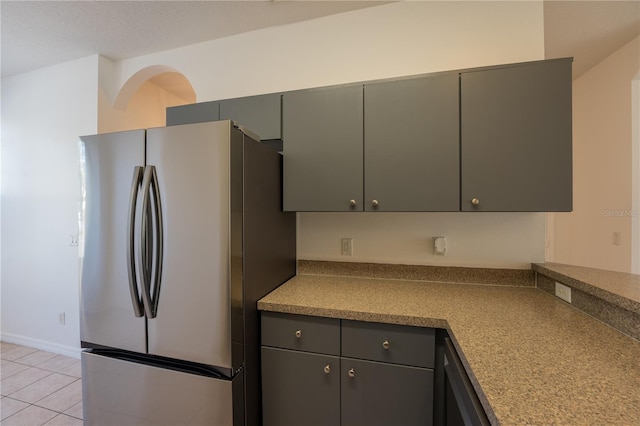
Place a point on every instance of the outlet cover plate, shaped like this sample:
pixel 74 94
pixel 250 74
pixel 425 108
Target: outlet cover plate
pixel 563 292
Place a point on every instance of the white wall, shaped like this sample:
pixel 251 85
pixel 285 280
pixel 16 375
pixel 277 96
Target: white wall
pixel 603 166
pixel 386 41
pixel 397 39
pixel 495 240
pixel 43 113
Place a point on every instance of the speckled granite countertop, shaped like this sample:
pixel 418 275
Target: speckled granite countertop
pixel 620 288
pixel 532 358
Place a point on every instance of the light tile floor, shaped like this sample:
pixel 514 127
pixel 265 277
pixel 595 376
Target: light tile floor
pixel 39 388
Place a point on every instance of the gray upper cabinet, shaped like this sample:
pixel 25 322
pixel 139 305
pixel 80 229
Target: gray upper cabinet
pixel 193 113
pixel 322 136
pixel 516 138
pixel 411 148
pixel 261 114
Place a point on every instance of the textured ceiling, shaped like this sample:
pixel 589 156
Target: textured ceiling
pixel 35 34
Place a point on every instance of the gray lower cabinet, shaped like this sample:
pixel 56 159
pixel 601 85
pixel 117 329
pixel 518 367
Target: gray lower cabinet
pixel 322 142
pixel 300 388
pixel 516 137
pixel 411 144
pixel 382 394
pixel 322 371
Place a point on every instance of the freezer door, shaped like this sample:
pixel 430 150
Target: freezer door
pixel 108 301
pixel 118 392
pixel 193 305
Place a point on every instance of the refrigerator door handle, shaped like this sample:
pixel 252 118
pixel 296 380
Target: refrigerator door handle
pixel 152 279
pixel 136 301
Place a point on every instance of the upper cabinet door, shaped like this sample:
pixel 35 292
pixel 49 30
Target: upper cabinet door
pixel 322 139
pixel 516 138
pixel 261 114
pixel 412 146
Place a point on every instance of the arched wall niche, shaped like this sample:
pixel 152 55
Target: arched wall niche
pixel 143 99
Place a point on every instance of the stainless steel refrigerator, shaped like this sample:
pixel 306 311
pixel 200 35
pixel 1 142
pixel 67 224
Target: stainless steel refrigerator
pixel 181 233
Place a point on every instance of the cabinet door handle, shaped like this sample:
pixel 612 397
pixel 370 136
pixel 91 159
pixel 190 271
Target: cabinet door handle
pixel 385 344
pixel 374 203
pixel 352 203
pixel 475 201
pixel 352 372
pixel 327 369
pixel 298 333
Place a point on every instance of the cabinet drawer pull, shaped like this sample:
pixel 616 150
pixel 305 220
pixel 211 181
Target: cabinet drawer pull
pixel 352 372
pixel 385 344
pixel 475 201
pixel 327 369
pixel 298 333
pixel 374 203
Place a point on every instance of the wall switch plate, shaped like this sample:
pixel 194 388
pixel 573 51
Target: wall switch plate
pixel 346 246
pixel 61 318
pixel 563 292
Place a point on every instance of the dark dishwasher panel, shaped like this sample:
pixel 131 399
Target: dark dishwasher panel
pixel 462 406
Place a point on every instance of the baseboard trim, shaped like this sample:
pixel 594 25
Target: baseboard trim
pixel 43 345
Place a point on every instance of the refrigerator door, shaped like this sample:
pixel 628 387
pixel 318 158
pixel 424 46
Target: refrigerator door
pixel 121 392
pixel 193 301
pixel 110 313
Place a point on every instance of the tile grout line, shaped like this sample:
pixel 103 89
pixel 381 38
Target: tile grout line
pixel 49 370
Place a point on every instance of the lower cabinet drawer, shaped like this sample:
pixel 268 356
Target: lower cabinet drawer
pixel 397 344
pixel 380 394
pixel 300 332
pixel 300 388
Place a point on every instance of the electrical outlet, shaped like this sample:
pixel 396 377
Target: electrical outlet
pixel 563 292
pixel 616 238
pixel 346 246
pixel 61 318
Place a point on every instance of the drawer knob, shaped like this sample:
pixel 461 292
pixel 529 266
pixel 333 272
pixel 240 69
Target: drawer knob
pixel 327 369
pixel 475 201
pixel 298 333
pixel 385 344
pixel 374 203
pixel 352 372
pixel 352 203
